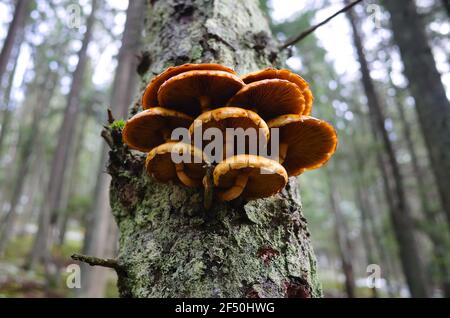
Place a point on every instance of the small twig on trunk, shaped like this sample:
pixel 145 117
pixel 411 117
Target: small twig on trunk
pixel 106 135
pixel 110 116
pixel 95 261
pixel 307 32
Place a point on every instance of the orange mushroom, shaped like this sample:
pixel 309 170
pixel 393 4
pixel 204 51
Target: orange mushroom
pixel 270 73
pixel 306 142
pixel 251 176
pixel 153 127
pixel 150 96
pixel 232 117
pixel 270 98
pixel 194 92
pixel 161 166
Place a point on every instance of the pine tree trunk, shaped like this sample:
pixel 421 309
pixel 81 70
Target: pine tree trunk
pixel 14 32
pixel 437 234
pixel 169 245
pixel 5 109
pixel 400 212
pixel 65 140
pixel 100 222
pixel 342 240
pixel 46 88
pixel 432 105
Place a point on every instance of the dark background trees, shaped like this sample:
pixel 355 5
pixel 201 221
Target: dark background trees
pixel 379 73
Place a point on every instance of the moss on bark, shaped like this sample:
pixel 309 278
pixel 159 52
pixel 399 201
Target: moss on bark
pixel 169 245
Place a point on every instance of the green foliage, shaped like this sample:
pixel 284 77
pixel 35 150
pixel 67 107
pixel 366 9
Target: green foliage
pixel 118 124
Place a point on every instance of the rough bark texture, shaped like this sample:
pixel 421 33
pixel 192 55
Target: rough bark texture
pixel 169 245
pixel 425 83
pixel 400 212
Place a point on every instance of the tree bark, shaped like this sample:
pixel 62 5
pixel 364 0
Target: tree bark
pixel 400 212
pixel 65 140
pixel 100 225
pixel 169 245
pixel 426 87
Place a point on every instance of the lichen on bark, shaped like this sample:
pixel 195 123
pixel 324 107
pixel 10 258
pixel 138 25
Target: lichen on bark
pixel 169 245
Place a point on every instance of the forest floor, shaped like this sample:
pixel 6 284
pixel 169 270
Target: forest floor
pixel 16 282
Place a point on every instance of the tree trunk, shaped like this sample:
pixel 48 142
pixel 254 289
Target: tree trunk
pixel 400 213
pixel 371 238
pixel 426 87
pixel 100 224
pixel 446 4
pixel 6 111
pixel 14 32
pixel 47 88
pixel 343 241
pixel 65 140
pixel 437 234
pixel 169 245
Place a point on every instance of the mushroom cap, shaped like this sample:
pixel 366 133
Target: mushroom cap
pixel 311 142
pixel 182 92
pixel 144 130
pixel 270 97
pixel 230 117
pixel 269 73
pixel 150 96
pixel 160 165
pixel 266 176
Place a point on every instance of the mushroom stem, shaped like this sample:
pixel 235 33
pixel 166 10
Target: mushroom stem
pixel 208 184
pixel 166 134
pixel 184 178
pixel 236 190
pixel 205 102
pixel 282 152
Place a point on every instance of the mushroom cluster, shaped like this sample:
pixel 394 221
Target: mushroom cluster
pixel 198 97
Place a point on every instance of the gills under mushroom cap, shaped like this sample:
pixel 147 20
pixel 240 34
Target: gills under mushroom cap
pixel 233 117
pixel 270 73
pixel 150 96
pixel 194 92
pixel 270 98
pixel 161 165
pixel 152 127
pixel 306 142
pixel 250 176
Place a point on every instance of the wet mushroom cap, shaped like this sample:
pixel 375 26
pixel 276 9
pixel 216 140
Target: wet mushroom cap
pixel 161 166
pixel 270 73
pixel 270 98
pixel 184 91
pixel 150 96
pixel 266 176
pixel 311 142
pixel 231 117
pixel 146 129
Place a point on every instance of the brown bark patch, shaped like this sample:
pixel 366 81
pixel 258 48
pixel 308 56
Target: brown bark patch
pixel 267 253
